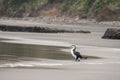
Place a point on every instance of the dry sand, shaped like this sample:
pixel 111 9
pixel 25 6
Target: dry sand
pixel 106 68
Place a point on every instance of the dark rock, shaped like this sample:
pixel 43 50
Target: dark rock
pixel 37 29
pixel 112 33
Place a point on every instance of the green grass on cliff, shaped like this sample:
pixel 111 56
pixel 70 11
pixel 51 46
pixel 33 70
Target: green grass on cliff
pixel 85 5
pixel 31 7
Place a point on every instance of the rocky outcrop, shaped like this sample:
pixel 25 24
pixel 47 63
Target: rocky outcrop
pixel 38 29
pixel 112 33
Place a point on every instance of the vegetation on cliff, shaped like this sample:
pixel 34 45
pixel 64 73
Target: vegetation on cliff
pixel 99 9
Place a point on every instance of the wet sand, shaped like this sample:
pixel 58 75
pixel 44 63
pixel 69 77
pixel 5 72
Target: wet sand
pixel 105 68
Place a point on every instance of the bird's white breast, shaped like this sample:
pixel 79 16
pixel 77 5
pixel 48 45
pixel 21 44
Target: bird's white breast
pixel 73 53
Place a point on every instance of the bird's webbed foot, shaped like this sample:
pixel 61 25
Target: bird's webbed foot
pixel 77 60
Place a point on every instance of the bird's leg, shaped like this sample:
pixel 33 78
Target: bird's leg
pixel 76 59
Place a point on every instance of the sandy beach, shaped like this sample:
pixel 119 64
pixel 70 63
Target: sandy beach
pixel 106 67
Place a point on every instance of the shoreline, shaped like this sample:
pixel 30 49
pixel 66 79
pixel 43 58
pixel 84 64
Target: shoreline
pixel 63 21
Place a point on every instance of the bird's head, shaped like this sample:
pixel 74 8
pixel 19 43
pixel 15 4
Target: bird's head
pixel 73 47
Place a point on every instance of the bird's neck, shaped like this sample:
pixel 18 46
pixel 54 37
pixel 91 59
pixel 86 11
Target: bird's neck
pixel 73 49
pixel 72 52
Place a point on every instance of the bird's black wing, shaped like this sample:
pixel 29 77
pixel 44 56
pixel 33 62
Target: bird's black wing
pixel 78 54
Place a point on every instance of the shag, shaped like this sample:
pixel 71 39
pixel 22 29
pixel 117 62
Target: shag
pixel 76 54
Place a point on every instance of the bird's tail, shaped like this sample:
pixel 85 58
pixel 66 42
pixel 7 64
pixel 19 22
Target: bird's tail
pixel 84 57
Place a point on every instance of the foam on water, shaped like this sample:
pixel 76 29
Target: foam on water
pixel 29 64
pixel 20 40
pixel 53 64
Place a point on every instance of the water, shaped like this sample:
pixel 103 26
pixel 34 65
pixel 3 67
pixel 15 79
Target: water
pixel 16 55
pixel 21 52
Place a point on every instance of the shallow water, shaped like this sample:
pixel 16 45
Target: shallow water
pixel 11 53
pixel 33 55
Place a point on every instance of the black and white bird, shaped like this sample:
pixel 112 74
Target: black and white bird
pixel 76 54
